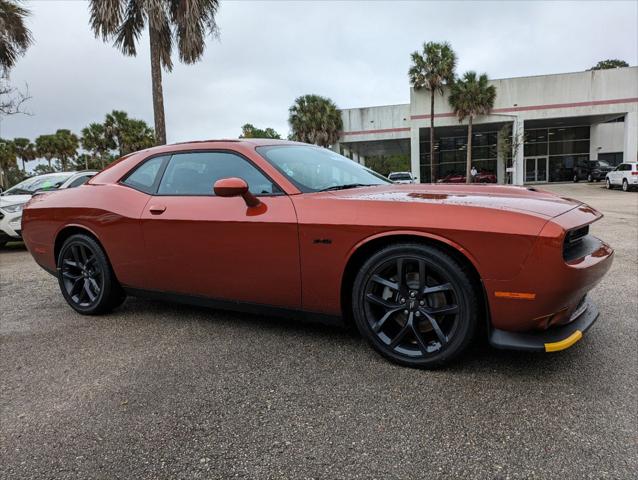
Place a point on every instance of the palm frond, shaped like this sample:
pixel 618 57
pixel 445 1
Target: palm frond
pixel 194 20
pixel 315 119
pixel 105 17
pixel 15 37
pixel 434 67
pixel 472 95
pixel 130 30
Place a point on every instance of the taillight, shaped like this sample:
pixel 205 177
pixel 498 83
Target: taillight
pixel 634 173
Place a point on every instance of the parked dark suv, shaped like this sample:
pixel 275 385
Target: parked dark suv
pixel 592 170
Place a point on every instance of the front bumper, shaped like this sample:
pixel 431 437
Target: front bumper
pixel 550 340
pixel 11 226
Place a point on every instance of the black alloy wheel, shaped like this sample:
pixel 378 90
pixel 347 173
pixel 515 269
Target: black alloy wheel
pixel 590 178
pixel 415 305
pixel 85 276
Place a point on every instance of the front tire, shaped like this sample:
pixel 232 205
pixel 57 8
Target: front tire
pixel 86 278
pixel 415 305
pixel 607 184
pixel 590 179
pixel 575 179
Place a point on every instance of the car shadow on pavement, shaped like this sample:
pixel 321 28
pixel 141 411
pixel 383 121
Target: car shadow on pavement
pixel 479 358
pixel 13 247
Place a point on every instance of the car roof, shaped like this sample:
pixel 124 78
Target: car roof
pixel 252 141
pixel 213 144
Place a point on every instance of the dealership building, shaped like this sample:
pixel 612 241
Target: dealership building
pixel 557 122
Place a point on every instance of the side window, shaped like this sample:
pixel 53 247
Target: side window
pixel 79 181
pixel 195 174
pixel 145 177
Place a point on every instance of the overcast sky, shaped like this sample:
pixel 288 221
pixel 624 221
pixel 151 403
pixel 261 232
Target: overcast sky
pixel 269 53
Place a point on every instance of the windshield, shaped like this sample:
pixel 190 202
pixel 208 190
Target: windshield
pixel 313 169
pixel 30 185
pixel 400 176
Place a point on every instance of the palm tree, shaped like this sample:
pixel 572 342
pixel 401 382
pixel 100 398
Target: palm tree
pixel 95 140
pixel 15 37
pixel 127 134
pixel 25 151
pixel 471 96
pixel 66 146
pixel 7 161
pixel 433 70
pixel 184 24
pixel 46 148
pixel 315 119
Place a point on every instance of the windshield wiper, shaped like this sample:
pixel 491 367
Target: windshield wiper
pixel 345 186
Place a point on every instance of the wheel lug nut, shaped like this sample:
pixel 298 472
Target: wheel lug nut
pixel 418 314
pixel 412 294
pixel 421 303
pixel 405 311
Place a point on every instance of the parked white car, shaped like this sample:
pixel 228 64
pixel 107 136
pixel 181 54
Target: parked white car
pixel 13 200
pixel 624 175
pixel 401 177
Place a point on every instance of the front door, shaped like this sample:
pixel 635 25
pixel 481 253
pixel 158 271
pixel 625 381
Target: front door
pixel 201 244
pixel 536 169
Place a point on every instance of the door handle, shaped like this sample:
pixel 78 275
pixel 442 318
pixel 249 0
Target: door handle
pixel 157 209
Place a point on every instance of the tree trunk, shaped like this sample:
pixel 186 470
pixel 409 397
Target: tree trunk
pixel 49 162
pixel 432 168
pixel 158 96
pixel 468 167
pixel 24 166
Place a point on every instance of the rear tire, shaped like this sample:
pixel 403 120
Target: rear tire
pixel 415 305
pixel 625 185
pixel 86 278
pixel 575 179
pixel 590 178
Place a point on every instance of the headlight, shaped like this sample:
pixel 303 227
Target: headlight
pixel 14 208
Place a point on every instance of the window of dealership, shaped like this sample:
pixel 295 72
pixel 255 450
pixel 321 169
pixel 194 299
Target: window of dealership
pixel 551 154
pixel 451 152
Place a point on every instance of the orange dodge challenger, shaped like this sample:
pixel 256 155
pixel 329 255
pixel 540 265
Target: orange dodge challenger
pixel 278 227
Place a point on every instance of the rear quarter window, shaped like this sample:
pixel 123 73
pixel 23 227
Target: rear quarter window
pixel 146 176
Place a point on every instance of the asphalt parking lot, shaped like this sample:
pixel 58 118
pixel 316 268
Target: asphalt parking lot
pixel 165 391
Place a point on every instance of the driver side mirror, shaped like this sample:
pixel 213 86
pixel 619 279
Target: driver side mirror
pixel 235 187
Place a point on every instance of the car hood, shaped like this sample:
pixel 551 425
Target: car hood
pixel 6 200
pixel 522 199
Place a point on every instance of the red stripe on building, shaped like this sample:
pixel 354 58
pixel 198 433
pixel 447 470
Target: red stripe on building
pixel 592 103
pixel 381 130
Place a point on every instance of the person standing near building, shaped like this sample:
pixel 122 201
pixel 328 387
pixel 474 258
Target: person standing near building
pixel 473 172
